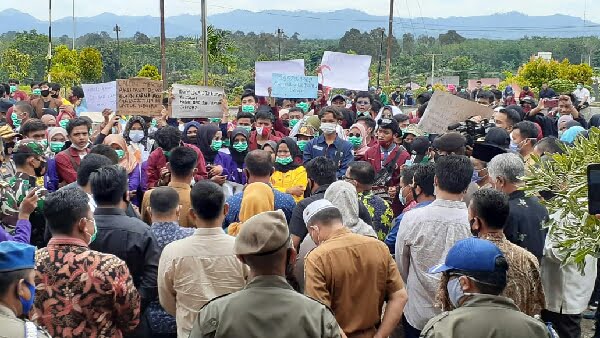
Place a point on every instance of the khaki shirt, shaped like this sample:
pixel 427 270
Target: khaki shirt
pixel 13 327
pixel 485 316
pixel 267 307
pixel 184 191
pixel 354 275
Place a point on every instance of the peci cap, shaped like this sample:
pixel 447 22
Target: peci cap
pixel 262 234
pixel 450 142
pixel 16 256
pixel 470 255
pixel 313 208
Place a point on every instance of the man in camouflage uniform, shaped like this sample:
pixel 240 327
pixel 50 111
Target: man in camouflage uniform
pixel 30 162
pixel 7 166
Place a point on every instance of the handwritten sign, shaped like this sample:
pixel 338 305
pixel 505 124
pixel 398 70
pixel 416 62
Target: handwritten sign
pixel 340 70
pixel 445 109
pixel 295 86
pixel 139 96
pixel 196 101
pixel 99 96
pixel 264 73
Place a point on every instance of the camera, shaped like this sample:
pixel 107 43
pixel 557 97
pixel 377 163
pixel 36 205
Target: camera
pixel 472 128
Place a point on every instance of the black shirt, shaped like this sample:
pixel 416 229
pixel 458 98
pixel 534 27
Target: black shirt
pixel 131 240
pixel 297 225
pixel 524 224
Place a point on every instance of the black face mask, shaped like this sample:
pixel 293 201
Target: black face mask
pixel 474 232
pixel 45 93
pixel 41 170
pixel 54 96
pixel 407 146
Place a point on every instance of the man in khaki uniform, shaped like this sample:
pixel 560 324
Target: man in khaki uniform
pixel 475 275
pixel 267 306
pixel 17 289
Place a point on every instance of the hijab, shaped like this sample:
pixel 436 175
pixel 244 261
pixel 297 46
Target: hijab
pixel 257 197
pixel 238 157
pixel 508 91
pixel 62 114
pixel 571 134
pixel 204 138
pixel 130 123
pixel 56 130
pixel 129 160
pixel 294 153
pixel 186 139
pixel 46 118
pixel 343 195
pixel 363 133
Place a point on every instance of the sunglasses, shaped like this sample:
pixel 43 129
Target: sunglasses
pixel 354 135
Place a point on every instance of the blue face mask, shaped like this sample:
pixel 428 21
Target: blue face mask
pixel 455 292
pixel 28 304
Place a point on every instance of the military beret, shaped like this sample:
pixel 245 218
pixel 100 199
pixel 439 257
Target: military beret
pixel 262 234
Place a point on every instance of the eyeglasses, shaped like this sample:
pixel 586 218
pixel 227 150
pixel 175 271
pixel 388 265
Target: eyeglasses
pixel 363 103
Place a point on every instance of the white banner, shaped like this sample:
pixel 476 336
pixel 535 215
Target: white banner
pixel 196 101
pixel 264 73
pixel 99 96
pixel 340 70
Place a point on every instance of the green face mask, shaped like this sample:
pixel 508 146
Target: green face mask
pixel 64 123
pixel 13 89
pixel 56 147
pixel 153 123
pixel 248 108
pixel 216 145
pixel 303 105
pixel 240 146
pixel 37 92
pixel 44 143
pixel 16 122
pixel 226 143
pixel 120 153
pixel 355 140
pixel 167 153
pixel 214 120
pixel 247 128
pixel 284 160
pixel 294 122
pixel 302 144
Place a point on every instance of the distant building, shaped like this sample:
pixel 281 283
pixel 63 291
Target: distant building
pixel 544 55
pixel 485 82
pixel 445 80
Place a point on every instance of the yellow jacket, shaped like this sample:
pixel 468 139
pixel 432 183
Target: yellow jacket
pixel 293 178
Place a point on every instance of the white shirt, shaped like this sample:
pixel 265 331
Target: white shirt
pixel 583 95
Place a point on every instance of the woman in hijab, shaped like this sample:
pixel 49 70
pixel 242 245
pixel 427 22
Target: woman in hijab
pixel 49 120
pixel 209 138
pixel 238 150
pixel 571 134
pixel 190 134
pixel 258 197
pixel 128 160
pixel 358 137
pixel 289 176
pixel 63 118
pixel 57 137
pixel 136 136
pixel 343 195
pixel 509 96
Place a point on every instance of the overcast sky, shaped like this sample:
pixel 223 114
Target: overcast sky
pixel 428 8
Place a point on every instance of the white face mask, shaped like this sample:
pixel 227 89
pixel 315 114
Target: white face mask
pixel 455 292
pixel 136 135
pixel 328 128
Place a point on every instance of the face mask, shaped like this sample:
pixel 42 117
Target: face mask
pixel 474 232
pixel 40 171
pixel 64 123
pixel 93 236
pixel 303 105
pixel 355 140
pixel 15 120
pixel 153 123
pixel 226 143
pixel 248 108
pixel 455 292
pixel 166 153
pixel 54 96
pixel 136 136
pixel 402 198
pixel 263 131
pixel 214 120
pixel 240 146
pixel 284 160
pixel 514 147
pixel 13 89
pixel 216 145
pixel 246 128
pixel 56 147
pixel 475 176
pixel 579 87
pixel 328 128
pixel 120 153
pixel 294 122
pixel 463 90
pixel 45 92
pixel 302 145
pixel 37 92
pixel 181 127
pixel 27 304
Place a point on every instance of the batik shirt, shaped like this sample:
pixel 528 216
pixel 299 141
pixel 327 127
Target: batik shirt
pixel 82 292
pixel 380 212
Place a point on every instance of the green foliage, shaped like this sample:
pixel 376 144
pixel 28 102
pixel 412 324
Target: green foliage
pixel 538 71
pixel 562 85
pixel 15 64
pixel 65 67
pixel 36 46
pixel 577 232
pixel 149 71
pixel 90 65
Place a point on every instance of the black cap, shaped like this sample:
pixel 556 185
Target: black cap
pixel 498 137
pixel 450 142
pixel 486 152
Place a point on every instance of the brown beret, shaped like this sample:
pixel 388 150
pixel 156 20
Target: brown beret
pixel 262 234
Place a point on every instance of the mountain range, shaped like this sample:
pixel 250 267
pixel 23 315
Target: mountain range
pixel 312 25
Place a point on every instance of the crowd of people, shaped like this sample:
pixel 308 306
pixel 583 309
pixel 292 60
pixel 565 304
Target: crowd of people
pixel 334 217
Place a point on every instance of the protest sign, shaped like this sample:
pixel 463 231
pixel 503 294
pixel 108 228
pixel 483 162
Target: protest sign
pixel 295 86
pixel 139 96
pixel 264 73
pixel 99 96
pixel 196 101
pixel 339 70
pixel 445 109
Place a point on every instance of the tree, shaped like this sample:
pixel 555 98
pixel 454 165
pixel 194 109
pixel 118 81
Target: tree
pixel 15 64
pixel 452 37
pixel 538 71
pixel 141 38
pixel 90 65
pixel 149 71
pixel 36 46
pixel 408 43
pixel 65 67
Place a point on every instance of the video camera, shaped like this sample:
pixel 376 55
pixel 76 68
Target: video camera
pixel 472 130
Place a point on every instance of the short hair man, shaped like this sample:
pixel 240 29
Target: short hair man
pixel 527 215
pixel 113 294
pixel 363 102
pixel 387 157
pixel 264 245
pixel 506 118
pixel 488 213
pixel 523 139
pixel 34 129
pixel 183 166
pixel 474 276
pixel 426 234
pixel 264 131
pixel 23 112
pixel 335 277
pixel 17 290
pixel 69 160
pixel 548 146
pixel 197 268
pixel 45 101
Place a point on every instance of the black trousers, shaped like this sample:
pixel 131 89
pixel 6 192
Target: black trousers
pixel 567 326
pixel 409 331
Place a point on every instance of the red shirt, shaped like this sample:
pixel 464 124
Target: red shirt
pixel 374 156
pixel 157 160
pixel 253 142
pixel 67 164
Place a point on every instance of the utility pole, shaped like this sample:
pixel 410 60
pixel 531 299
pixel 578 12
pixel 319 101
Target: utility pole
pixel 73 24
pixel 279 36
pixel 49 56
pixel 204 43
pixel 433 66
pixel 380 56
pixel 163 56
pixel 389 45
pixel 117 29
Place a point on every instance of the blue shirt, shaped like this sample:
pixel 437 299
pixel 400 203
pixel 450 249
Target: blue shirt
pixel 318 147
pixel 390 239
pixel 283 201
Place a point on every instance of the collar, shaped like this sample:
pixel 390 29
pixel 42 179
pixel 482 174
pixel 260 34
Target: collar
pixel 423 204
pixel 66 240
pixel 339 233
pixel 5 311
pixel 390 149
pixel 321 141
pixel 109 211
pixel 516 194
pixel 208 231
pixel 483 300
pixel 177 185
pixel 26 177
pixel 494 237
pixel 174 224
pixel 449 204
pixel 75 153
pixel 268 281
pixel 321 189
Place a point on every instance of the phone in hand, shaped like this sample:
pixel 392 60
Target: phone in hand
pixel 551 103
pixel 593 178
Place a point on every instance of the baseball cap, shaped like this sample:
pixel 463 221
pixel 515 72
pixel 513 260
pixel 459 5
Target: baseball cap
pixel 470 255
pixel 16 256
pixel 262 234
pixel 313 208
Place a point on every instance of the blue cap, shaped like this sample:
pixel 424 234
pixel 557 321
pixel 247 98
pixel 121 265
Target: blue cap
pixel 471 254
pixel 16 256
